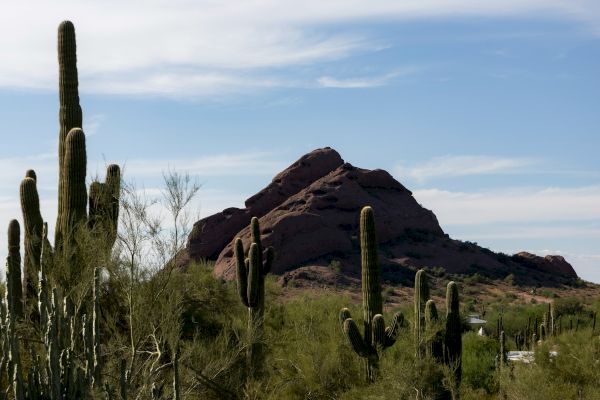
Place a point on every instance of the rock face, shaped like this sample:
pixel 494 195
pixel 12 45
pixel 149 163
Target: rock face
pixel 550 264
pixel 309 214
pixel 210 235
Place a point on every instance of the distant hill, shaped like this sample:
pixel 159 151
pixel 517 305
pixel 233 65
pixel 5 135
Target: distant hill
pixel 309 214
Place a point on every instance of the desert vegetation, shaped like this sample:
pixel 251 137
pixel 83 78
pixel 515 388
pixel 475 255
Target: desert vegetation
pixel 106 312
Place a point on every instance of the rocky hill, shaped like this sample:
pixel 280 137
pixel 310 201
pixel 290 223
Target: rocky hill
pixel 309 214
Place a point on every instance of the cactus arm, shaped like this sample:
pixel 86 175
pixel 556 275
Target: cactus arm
pixel 343 316
pixel 255 232
pixel 74 194
pixel 355 338
pixel 254 276
pixel 31 174
pixel 379 337
pixel 241 272
pixel 113 187
pixel 431 313
pixel 13 271
pixel 391 332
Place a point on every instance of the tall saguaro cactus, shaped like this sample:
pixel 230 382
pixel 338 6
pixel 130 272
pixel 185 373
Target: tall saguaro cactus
pixel 34 224
pixel 376 337
pixel 421 297
pixel 251 274
pixel 453 339
pixel 70 115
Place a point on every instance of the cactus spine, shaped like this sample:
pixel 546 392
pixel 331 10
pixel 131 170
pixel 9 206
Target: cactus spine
pixel 453 339
pixel 32 219
pixel 70 115
pixel 251 274
pixel 421 297
pixel 376 336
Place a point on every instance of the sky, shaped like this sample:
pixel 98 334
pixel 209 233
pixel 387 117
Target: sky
pixel 486 110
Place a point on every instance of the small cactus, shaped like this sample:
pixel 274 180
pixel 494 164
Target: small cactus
pixel 421 297
pixel 251 274
pixel 542 332
pixel 453 339
pixel 33 224
pixel 503 358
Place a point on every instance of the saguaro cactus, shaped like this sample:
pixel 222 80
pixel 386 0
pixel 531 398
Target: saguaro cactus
pixel 376 336
pixel 104 204
pixel 70 115
pixel 34 224
pixel 421 297
pixel 251 274
pixel 14 292
pixel 503 358
pixel 453 339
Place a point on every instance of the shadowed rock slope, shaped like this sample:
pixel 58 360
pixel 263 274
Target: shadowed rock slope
pixel 309 214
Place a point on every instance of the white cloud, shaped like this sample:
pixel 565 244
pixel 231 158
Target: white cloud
pixel 524 216
pixel 452 166
pixel 178 47
pixel 93 123
pixel 364 82
pixel 521 205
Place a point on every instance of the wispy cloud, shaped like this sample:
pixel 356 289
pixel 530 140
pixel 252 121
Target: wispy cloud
pixel 521 205
pixel 453 166
pixel 365 82
pixel 93 123
pixel 187 48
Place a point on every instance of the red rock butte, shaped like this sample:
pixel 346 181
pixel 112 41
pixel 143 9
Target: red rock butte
pixel 309 213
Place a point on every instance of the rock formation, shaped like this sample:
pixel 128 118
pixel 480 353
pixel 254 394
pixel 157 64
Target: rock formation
pixel 309 214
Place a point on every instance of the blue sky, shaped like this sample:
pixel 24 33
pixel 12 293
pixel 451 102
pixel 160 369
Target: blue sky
pixel 486 110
